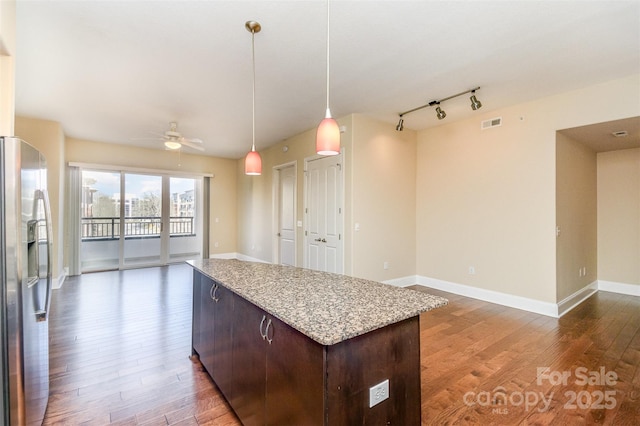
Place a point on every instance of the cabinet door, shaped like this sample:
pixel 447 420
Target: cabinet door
pixel 221 370
pixel 207 313
pixel 295 377
pixel 248 364
pixel 196 335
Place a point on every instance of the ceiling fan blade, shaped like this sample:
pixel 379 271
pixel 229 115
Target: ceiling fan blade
pixel 188 143
pixel 193 140
pixel 147 139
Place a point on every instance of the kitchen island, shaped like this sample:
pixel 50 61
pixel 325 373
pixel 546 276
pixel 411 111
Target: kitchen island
pixel 288 345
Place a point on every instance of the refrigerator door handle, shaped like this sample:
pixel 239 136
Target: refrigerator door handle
pixel 43 195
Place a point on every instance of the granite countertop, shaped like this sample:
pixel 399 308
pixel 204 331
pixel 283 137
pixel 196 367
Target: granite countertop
pixel 328 308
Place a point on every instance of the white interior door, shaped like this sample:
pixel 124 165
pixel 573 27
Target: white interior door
pixel 323 236
pixel 287 215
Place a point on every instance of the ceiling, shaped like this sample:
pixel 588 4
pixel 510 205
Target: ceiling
pixel 116 71
pixel 601 137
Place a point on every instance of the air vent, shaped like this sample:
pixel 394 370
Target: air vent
pixel 620 134
pixel 494 122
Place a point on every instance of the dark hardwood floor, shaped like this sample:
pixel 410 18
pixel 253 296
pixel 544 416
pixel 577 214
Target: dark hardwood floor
pixel 120 346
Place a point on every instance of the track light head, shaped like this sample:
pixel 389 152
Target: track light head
pixel 475 103
pixel 400 126
pixel 440 113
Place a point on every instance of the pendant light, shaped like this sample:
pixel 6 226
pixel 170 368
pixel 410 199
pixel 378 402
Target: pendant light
pixel 253 162
pixel 328 133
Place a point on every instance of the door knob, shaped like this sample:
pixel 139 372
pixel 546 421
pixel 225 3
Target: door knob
pixel 323 240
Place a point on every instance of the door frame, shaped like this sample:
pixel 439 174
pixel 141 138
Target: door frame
pixel 340 158
pixel 275 213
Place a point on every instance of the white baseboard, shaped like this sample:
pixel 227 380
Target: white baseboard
pixel 504 299
pixel 59 280
pixel 238 256
pixel 621 288
pixel 555 310
pixel 403 282
pixel 224 256
pixel 570 302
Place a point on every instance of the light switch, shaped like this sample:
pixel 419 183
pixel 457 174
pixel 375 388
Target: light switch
pixel 299 223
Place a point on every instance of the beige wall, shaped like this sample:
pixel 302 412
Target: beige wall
pixel 223 184
pixel 576 216
pixel 379 192
pixel 487 198
pixel 48 138
pixel 7 66
pixel 619 216
pixel 256 226
pixel 383 168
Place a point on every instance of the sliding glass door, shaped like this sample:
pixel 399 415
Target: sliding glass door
pixel 141 214
pixel 185 218
pixel 99 221
pixel 132 220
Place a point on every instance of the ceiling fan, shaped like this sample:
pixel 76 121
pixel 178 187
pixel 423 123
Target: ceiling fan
pixel 173 140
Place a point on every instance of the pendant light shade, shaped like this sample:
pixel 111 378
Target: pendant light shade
pixel 328 133
pixel 328 136
pixel 253 162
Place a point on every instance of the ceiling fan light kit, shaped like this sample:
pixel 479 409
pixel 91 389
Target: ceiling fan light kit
pixel 173 140
pixel 173 145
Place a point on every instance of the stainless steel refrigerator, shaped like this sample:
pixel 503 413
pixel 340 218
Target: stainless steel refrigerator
pixel 25 253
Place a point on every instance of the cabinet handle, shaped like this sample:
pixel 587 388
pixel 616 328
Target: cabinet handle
pixel 212 292
pixel 266 332
pixel 263 335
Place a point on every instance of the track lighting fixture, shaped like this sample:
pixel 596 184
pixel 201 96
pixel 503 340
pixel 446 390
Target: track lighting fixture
pixel 475 105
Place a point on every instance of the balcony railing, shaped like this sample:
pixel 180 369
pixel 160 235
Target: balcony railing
pixel 108 228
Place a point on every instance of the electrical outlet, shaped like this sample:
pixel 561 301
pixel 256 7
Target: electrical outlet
pixel 378 393
pixel 472 270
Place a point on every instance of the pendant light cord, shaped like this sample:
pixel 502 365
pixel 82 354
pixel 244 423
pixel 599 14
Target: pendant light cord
pixel 253 61
pixel 328 55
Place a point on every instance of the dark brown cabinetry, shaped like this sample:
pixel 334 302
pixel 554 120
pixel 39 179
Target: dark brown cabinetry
pixel 272 374
pixel 212 329
pixel 278 372
pixel 249 367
